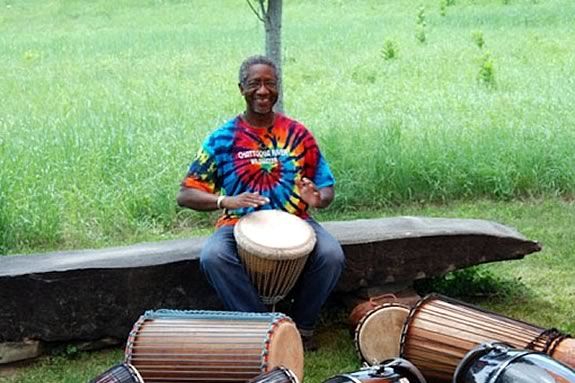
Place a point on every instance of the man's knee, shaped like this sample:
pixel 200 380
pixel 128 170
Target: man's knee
pixel 330 254
pixel 214 255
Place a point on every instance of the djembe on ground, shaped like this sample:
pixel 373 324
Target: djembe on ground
pixel 439 331
pixel 273 246
pixel 378 333
pixel 212 346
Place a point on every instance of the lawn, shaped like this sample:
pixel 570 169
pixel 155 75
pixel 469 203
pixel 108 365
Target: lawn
pixel 104 105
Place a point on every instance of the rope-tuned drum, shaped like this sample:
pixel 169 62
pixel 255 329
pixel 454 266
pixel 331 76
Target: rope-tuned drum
pixel 212 346
pixel 378 333
pixel 439 331
pixel 273 246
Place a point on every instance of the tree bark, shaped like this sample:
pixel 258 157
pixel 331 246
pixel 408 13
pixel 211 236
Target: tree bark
pixel 273 25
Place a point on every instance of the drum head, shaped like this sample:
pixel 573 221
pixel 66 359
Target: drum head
pixel 286 348
pixel 274 234
pixel 378 334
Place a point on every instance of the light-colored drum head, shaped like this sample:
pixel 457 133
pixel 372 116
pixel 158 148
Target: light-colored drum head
pixel 274 234
pixel 286 348
pixel 378 334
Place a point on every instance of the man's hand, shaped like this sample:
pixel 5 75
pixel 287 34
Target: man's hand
pixel 309 192
pixel 244 200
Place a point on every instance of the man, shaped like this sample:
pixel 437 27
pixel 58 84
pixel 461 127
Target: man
pixel 263 160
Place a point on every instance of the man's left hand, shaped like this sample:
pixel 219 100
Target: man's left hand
pixel 309 192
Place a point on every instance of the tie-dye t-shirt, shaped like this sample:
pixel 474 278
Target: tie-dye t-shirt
pixel 238 158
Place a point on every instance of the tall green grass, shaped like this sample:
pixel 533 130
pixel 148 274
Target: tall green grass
pixel 105 103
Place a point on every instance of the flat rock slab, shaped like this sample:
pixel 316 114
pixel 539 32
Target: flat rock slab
pixel 94 294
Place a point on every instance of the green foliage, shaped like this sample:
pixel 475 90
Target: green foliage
pixel 478 39
pixel 443 7
pixel 390 50
pixel 421 25
pixel 473 283
pixel 486 75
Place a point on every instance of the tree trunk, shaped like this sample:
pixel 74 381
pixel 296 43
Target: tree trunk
pixel 273 25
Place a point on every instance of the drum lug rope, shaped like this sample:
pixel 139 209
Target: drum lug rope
pixel 552 338
pixel 132 338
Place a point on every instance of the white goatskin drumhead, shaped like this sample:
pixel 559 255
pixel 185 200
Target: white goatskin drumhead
pixel 274 233
pixel 378 334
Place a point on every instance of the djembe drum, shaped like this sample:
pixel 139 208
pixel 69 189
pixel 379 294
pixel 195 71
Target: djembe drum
pixel 378 333
pixel 121 373
pixel 393 371
pixel 273 246
pixel 439 331
pixel 500 363
pixel 212 346
pixel 277 375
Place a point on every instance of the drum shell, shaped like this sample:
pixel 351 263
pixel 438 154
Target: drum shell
pixel 274 247
pixel 440 331
pixel 121 373
pixel 361 309
pixel 191 346
pixel 378 334
pixel 497 363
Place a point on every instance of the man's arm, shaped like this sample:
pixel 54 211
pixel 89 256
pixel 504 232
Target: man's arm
pixel 203 201
pixel 197 199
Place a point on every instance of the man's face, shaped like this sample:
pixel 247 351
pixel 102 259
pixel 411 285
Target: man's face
pixel 260 89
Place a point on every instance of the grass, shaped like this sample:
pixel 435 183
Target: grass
pixel 105 103
pixel 537 289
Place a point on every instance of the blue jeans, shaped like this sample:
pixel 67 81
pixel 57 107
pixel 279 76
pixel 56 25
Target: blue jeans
pixel 221 264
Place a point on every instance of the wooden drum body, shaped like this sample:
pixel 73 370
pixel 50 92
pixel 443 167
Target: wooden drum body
pixel 439 331
pixel 212 346
pixel 273 246
pixel 378 333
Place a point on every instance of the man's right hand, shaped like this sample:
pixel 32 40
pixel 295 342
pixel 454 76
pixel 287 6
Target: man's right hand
pixel 244 200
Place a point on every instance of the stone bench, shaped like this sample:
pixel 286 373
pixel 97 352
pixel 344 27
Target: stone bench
pixel 98 294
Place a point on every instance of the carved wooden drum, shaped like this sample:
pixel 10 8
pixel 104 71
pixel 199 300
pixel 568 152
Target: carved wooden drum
pixel 439 331
pixel 378 333
pixel 212 346
pixel 274 246
pixel 121 373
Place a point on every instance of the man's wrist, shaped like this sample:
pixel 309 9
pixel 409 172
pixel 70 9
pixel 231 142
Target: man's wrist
pixel 219 202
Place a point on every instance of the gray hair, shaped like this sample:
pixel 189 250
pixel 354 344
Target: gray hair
pixel 254 60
